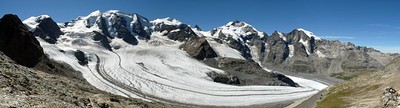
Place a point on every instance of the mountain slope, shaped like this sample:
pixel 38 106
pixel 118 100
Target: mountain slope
pixel 365 90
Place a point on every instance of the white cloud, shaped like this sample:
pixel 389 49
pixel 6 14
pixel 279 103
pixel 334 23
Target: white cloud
pixel 384 26
pixel 388 49
pixel 337 37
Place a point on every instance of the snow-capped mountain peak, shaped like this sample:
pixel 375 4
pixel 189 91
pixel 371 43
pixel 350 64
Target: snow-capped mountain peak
pixel 237 29
pixel 167 21
pixel 33 21
pixel 308 33
pixel 95 13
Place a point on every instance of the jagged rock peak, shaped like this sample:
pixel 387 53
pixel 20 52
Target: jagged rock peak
pixel 280 34
pixel 237 29
pixel 197 27
pixel 308 33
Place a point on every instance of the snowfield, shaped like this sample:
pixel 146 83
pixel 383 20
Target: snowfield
pixel 163 72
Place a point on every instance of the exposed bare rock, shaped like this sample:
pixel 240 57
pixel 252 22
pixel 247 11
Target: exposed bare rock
pixel 17 42
pixel 199 48
pixel 47 29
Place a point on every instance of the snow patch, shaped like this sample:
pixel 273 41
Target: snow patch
pixel 282 36
pixel 306 45
pixel 224 50
pixel 309 34
pixel 291 50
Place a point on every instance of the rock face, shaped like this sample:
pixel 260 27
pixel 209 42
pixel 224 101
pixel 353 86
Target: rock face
pixel 47 29
pixel 199 48
pixel 180 32
pixel 278 52
pixel 122 30
pixel 82 60
pixel 225 79
pixel 17 42
pixel 140 26
pixel 101 39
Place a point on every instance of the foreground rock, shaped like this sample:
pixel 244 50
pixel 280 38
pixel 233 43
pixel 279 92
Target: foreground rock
pixel 17 42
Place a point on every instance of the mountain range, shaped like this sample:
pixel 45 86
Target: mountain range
pixel 159 60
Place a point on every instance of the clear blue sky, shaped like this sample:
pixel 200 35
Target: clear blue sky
pixel 373 23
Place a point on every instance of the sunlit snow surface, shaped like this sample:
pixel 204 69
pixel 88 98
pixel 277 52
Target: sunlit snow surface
pixel 158 70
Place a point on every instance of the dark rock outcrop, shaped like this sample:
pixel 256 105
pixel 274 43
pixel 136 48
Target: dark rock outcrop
pixel 225 79
pixel 278 50
pixel 180 33
pixel 138 27
pixel 18 43
pixel 101 23
pixel 199 48
pixel 249 72
pixel 48 30
pixel 197 27
pixel 123 32
pixel 102 40
pixel 82 60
